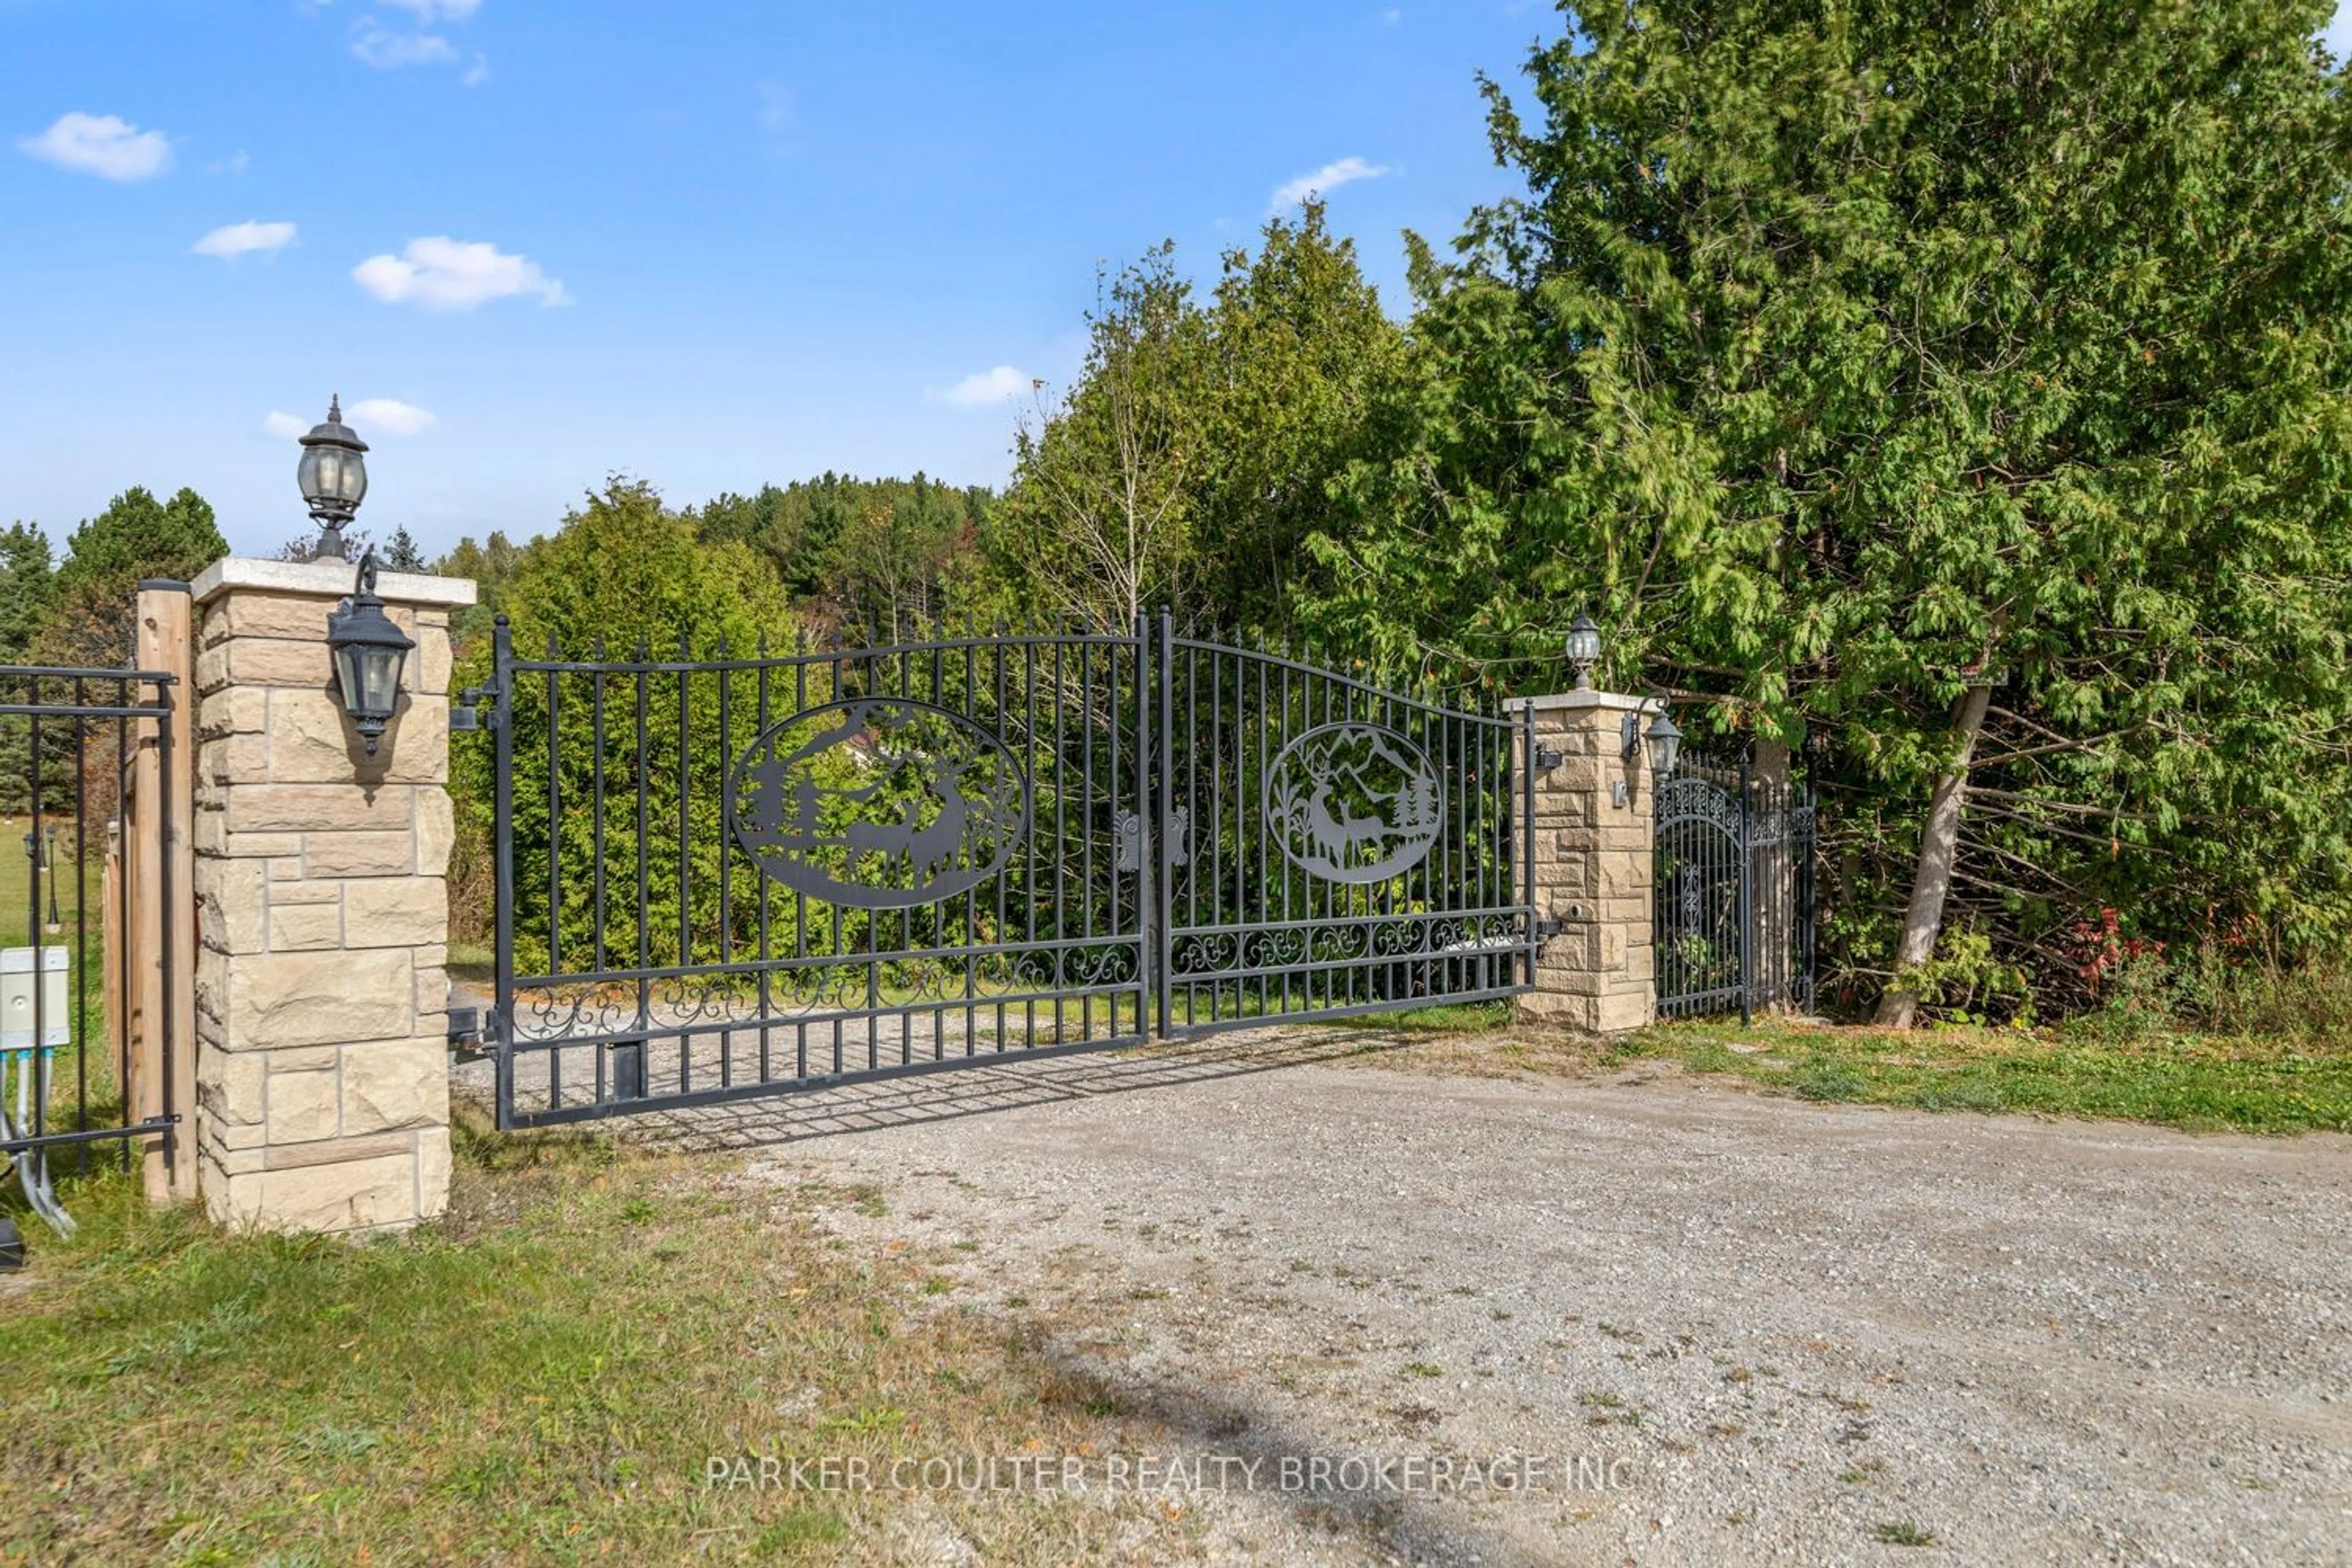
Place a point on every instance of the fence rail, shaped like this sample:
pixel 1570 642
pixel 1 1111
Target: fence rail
pixel 86 1062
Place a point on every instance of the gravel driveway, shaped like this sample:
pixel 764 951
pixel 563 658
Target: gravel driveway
pixel 1739 1328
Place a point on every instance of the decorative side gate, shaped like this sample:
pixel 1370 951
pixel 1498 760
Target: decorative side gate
pixel 1734 892
pixel 739 876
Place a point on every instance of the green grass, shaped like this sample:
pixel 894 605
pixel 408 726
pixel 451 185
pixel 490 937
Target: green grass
pixel 2199 1082
pixel 542 1377
pixel 17 871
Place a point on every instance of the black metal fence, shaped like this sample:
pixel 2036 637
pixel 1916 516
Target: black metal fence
pixel 734 875
pixel 1733 890
pixel 68 739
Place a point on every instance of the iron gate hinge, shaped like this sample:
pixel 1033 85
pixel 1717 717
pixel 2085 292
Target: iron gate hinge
pixel 1548 757
pixel 1547 927
pixel 466 713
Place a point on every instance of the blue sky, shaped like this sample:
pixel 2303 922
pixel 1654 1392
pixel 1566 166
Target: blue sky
pixel 709 244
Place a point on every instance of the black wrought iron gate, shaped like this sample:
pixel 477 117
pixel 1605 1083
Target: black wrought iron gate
pixel 728 875
pixel 1733 890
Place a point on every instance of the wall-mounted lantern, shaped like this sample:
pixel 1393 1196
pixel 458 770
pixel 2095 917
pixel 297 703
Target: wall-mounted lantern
pixel 1665 740
pixel 333 476
pixel 368 651
pixel 1583 649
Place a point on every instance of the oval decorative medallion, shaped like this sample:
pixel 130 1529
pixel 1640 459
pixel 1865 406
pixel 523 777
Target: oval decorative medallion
pixel 880 803
pixel 1354 803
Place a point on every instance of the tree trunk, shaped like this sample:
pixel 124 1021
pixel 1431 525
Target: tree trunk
pixel 1931 884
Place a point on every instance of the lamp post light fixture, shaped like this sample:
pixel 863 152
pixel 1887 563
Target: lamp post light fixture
pixel 367 651
pixel 1583 649
pixel 333 476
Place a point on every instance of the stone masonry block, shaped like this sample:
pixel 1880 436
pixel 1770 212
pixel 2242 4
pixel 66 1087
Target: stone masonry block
pixel 432 660
pixel 432 1171
pixel 271 661
pixel 232 760
pixel 229 1087
pixel 336 1151
pixel 352 1195
pixel 320 998
pixel 229 906
pixel 396 911
pixel 395 1083
pixel 392 854
pixel 300 808
pixel 292 617
pixel 436 831
pixel 303 1106
pixel 239 711
pixel 297 928
pixel 311 742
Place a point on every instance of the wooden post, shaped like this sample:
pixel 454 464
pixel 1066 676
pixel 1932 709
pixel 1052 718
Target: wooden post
pixel 163 896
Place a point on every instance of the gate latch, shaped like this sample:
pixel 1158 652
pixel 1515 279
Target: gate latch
pixel 1547 927
pixel 1548 757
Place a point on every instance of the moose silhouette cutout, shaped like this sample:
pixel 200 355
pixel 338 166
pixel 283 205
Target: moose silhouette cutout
pixel 942 805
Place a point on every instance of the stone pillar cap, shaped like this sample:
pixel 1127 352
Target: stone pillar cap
pixel 1608 701
pixel 327 579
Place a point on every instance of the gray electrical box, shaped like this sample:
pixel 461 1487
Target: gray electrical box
pixel 17 982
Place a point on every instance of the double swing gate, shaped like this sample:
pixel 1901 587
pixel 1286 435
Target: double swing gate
pixel 756 874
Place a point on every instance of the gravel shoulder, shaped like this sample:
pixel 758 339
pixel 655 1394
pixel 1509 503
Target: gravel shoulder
pixel 1742 1328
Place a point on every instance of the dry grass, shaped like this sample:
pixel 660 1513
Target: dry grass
pixel 543 1377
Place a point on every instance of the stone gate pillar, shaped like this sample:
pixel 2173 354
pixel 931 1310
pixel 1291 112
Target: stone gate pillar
pixel 1594 828
pixel 321 1067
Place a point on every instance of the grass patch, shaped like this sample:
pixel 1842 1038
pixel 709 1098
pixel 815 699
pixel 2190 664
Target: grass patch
pixel 543 1376
pixel 2201 1082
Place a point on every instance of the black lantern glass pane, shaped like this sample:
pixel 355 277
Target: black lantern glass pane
pixel 381 679
pixel 350 679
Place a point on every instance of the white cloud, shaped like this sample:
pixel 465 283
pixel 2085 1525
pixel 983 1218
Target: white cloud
pixel 390 51
pixel 1326 180
pixel 443 274
pixel 100 144
pixel 477 73
pixel 388 415
pixel 233 240
pixel 428 12
pixel 370 416
pixel 982 388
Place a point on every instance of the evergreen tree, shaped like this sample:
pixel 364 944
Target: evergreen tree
pixel 96 585
pixel 1962 381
